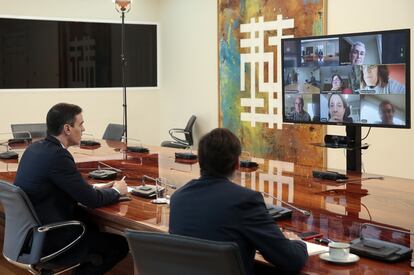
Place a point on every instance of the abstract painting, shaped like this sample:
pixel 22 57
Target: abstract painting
pixel 250 86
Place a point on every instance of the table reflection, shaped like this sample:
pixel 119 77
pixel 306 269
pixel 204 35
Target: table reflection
pixel 338 209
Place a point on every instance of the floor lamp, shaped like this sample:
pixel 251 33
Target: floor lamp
pixel 123 6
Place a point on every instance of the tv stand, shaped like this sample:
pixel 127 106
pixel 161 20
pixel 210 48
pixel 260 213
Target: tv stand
pixel 352 143
pixel 353 155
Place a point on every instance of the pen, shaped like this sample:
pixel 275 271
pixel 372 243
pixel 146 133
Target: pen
pixel 123 178
pixel 323 240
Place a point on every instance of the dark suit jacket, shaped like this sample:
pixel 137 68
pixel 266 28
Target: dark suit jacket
pixel 48 175
pixel 216 209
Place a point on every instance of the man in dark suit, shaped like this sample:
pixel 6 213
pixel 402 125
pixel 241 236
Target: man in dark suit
pixel 214 208
pixel 48 175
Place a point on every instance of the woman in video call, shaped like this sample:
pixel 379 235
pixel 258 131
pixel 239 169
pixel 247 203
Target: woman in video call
pixel 338 109
pixel 375 80
pixel 339 85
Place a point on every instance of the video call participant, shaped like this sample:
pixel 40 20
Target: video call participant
pixel 214 208
pixel 386 112
pixel 339 85
pixel 338 109
pixel 356 57
pixel 48 175
pixel 375 80
pixel 357 53
pixel 320 56
pixel 299 114
pixel 312 80
pixel 289 79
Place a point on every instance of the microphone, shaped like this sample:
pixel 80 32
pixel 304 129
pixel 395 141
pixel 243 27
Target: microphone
pixel 147 177
pixel 109 166
pixel 104 174
pixel 160 192
pixel 8 154
pixel 358 180
pixel 380 250
pixel 89 142
pixel 382 227
pixel 148 191
pixel 248 163
pixel 187 155
pixel 19 137
pixel 136 148
pixel 304 212
pixel 158 180
pixel 144 190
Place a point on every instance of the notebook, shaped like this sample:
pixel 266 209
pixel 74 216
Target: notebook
pixel 314 249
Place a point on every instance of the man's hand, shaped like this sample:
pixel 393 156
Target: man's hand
pixel 121 187
pixel 291 236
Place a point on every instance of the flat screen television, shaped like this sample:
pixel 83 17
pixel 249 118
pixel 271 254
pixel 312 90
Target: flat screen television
pixel 41 53
pixel 358 79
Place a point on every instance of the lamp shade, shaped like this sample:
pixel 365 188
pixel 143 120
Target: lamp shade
pixel 122 5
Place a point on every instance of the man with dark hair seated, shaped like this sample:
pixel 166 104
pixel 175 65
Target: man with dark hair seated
pixel 47 173
pixel 214 208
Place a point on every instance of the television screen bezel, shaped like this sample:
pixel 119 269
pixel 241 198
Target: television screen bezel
pixel 407 79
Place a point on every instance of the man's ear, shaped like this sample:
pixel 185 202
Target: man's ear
pixel 66 129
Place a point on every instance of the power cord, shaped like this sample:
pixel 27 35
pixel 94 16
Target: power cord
pixel 362 163
pixel 369 130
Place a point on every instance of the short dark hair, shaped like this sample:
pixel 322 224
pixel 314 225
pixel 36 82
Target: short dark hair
pixel 340 79
pixel 386 102
pixel 218 153
pixel 59 115
pixel 383 76
pixel 347 112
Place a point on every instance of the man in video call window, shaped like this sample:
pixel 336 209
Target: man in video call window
pixel 386 112
pixel 299 114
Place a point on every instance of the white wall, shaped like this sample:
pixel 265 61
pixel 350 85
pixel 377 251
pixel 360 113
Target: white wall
pixel 100 106
pixel 189 50
pixel 391 151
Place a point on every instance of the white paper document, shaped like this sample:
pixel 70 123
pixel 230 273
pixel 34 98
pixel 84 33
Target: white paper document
pixel 314 249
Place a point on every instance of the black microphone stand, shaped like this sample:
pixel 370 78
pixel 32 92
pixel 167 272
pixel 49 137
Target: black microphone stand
pixel 304 212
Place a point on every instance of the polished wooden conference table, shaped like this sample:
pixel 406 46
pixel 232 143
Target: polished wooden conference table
pixel 338 209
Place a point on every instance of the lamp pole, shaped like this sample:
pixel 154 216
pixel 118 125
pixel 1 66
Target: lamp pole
pixel 123 64
pixel 123 6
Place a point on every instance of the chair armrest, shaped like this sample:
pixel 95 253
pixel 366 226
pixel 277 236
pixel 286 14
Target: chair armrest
pixel 177 139
pixel 52 226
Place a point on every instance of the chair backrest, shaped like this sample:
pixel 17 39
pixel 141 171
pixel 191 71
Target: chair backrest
pixel 22 243
pixel 113 132
pixel 36 130
pixel 162 254
pixel 189 129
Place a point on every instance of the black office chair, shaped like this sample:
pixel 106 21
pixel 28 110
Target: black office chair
pixel 36 130
pixel 24 235
pixel 162 254
pixel 113 132
pixel 188 135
